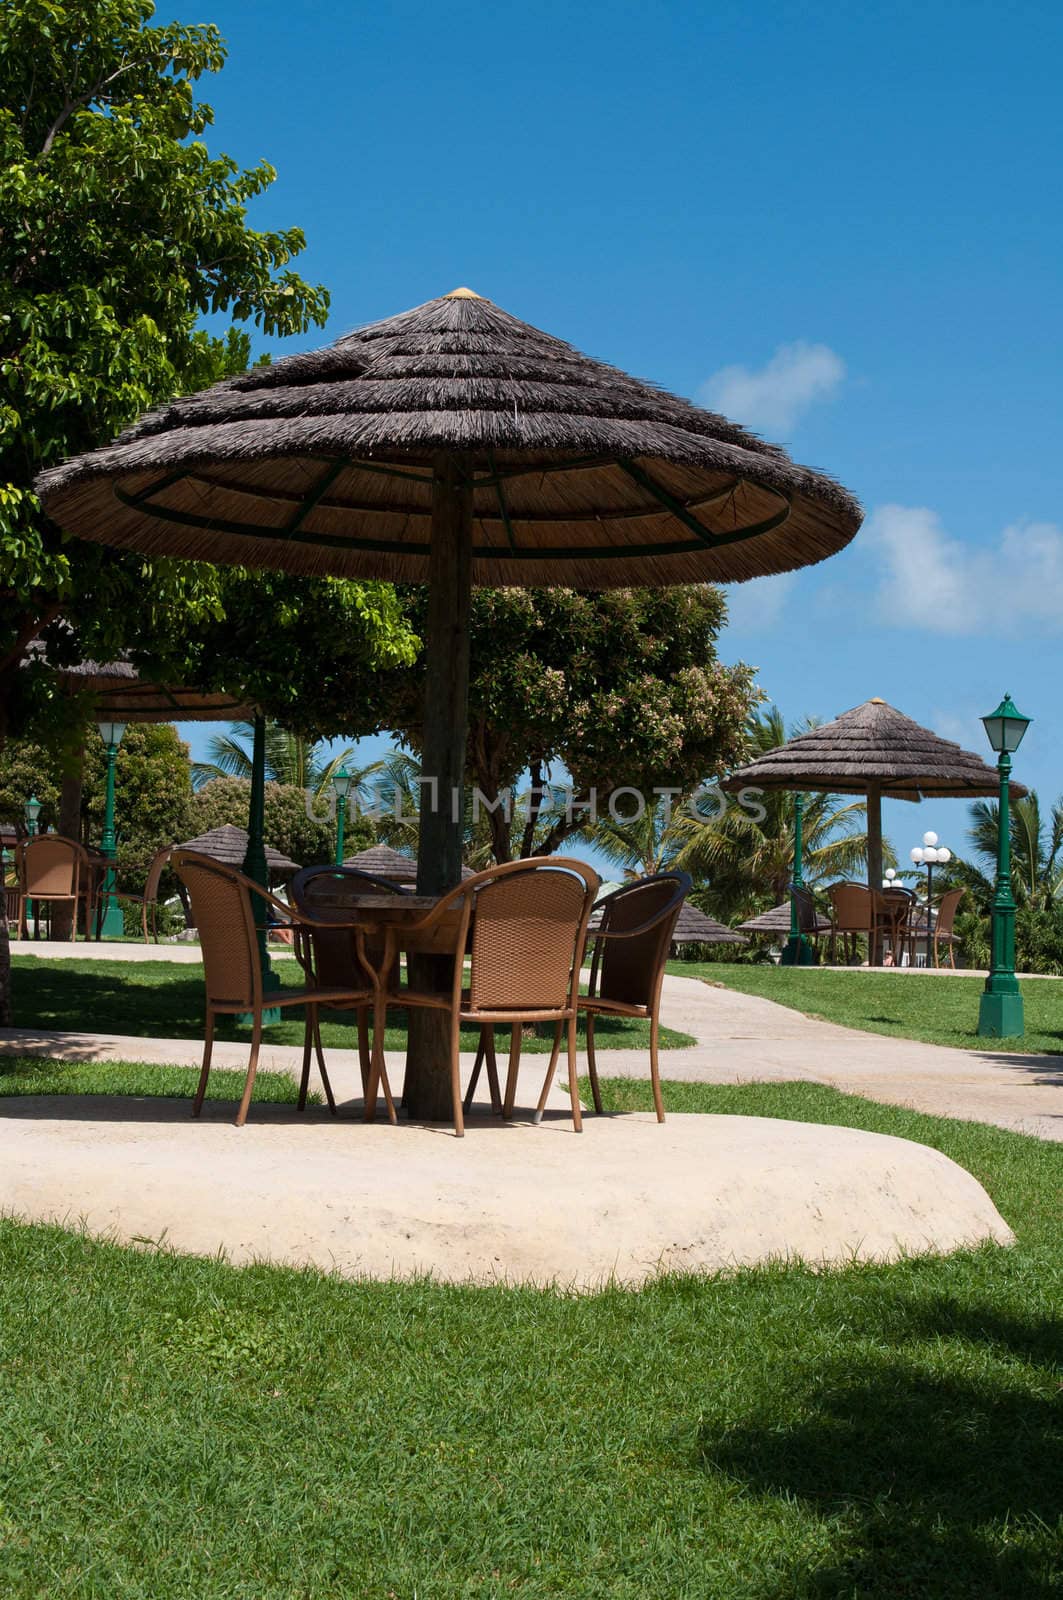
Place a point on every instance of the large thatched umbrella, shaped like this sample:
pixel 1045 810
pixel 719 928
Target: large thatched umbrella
pixel 121 694
pixel 878 752
pixel 453 444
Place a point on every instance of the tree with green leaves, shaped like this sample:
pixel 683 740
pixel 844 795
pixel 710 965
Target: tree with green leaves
pixel 622 688
pixel 291 758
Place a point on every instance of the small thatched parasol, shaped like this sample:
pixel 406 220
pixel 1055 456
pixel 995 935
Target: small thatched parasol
pixel 876 751
pixel 383 862
pixel 453 444
pixel 777 922
pixel 228 844
pixel 694 927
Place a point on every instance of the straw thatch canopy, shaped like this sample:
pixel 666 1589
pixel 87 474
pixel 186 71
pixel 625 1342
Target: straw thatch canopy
pixel 322 463
pixel 121 694
pixel 872 747
pixel 777 921
pixel 383 862
pixel 694 927
pixel 228 844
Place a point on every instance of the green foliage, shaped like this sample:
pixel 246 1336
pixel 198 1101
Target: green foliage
pixel 624 688
pixel 118 230
pixel 290 758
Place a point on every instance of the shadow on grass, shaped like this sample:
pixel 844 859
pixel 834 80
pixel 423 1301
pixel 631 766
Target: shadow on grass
pixel 942 1485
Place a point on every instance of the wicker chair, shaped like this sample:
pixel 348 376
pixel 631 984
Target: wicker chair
pixel 631 947
pixel 222 905
pixel 330 895
pixel 529 928
pixel 52 871
pixel 852 912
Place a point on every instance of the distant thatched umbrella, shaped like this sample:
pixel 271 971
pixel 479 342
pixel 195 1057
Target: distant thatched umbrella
pixel 875 751
pixel 694 927
pixel 457 445
pixel 777 921
pixel 383 862
pixel 228 844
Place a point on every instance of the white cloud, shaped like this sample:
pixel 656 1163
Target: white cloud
pixel 756 606
pixel 933 581
pixel 773 398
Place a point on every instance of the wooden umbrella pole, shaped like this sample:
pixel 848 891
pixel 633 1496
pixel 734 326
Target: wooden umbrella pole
pixel 446 717
pixel 874 863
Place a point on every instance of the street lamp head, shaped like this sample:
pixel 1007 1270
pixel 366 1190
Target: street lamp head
pixel 918 855
pixel 931 856
pixel 1005 727
pixel 341 783
pixel 891 873
pixel 111 733
pixel 32 810
pixel 930 838
pixel 944 854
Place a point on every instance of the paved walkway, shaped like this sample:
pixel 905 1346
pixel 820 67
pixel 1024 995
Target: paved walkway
pixel 741 1039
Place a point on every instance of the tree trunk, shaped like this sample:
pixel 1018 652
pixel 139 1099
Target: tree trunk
pixel 426 1092
pixel 874 864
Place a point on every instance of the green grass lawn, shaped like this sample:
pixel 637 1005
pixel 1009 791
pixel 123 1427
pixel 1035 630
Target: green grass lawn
pixel 20 1075
pixel 164 1000
pixel 941 1010
pixel 173 1427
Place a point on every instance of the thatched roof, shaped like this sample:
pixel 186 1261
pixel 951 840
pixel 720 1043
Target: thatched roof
pixel 383 862
pixel 872 746
pixel 777 920
pixel 582 475
pixel 121 694
pixel 694 927
pixel 228 844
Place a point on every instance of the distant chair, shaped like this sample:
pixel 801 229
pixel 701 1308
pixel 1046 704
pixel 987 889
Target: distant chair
pixel 948 905
pixel 808 919
pixel 852 913
pixel 893 919
pixel 222 904
pixel 52 871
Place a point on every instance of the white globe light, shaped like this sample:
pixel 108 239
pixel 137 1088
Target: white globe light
pixel 930 855
pixel 944 853
pixel 930 838
pixel 891 873
pixel 917 856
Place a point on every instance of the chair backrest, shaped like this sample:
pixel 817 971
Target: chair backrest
pixel 630 969
pixel 528 933
pixel 155 871
pixel 51 866
pixel 330 894
pixel 851 907
pixel 807 920
pixel 946 912
pixel 221 908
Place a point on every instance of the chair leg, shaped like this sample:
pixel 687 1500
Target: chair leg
pixel 592 1064
pixel 252 1069
pixel 208 1047
pixel 455 1073
pixel 363 1045
pixel 514 1068
pixel 550 1071
pixel 378 1072
pixel 481 1051
pixel 144 920
pixel 313 1036
pixel 655 1075
pixel 492 1069
pixel 573 1081
pixel 308 1041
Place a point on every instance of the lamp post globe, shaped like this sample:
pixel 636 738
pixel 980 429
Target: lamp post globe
pixel 1000 1013
pixel 111 921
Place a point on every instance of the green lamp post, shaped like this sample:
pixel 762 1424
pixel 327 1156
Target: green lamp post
pixel 31 811
pixel 1000 1015
pixel 341 788
pixel 112 924
pixel 798 951
pixel 255 865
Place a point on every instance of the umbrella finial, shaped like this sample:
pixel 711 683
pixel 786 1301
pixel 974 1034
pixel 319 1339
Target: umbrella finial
pixel 877 701
pixel 463 294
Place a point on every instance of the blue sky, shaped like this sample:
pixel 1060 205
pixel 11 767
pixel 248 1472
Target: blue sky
pixel 839 224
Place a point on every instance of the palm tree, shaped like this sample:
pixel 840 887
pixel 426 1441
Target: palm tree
pixel 1036 852
pixel 746 861
pixel 290 759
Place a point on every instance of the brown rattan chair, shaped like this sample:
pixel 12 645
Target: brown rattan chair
pixel 893 920
pixel 852 912
pixel 631 946
pixel 330 895
pixel 52 871
pixel 222 905
pixel 529 928
pixel 948 905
